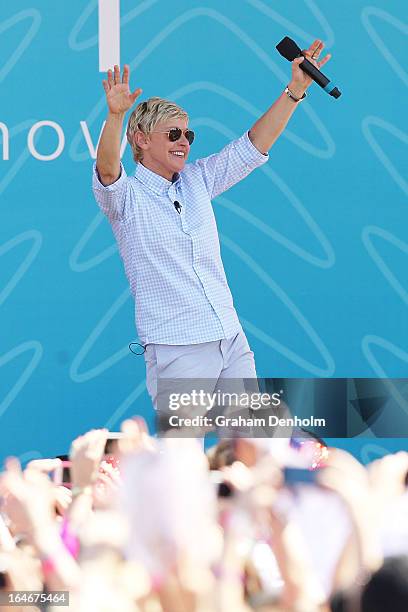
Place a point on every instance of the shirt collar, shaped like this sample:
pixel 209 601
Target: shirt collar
pixel 153 181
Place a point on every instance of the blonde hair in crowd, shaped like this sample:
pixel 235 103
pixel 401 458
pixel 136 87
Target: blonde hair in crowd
pixel 146 116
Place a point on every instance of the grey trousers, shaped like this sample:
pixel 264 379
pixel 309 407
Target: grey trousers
pixel 221 359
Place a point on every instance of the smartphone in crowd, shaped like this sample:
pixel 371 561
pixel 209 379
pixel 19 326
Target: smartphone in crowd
pixel 62 474
pixel 111 451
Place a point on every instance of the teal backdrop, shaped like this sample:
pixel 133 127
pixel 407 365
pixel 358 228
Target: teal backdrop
pixel 314 243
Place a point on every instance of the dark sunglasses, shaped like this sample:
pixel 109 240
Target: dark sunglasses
pixel 174 134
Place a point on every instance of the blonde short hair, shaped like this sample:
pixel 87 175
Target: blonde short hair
pixel 146 116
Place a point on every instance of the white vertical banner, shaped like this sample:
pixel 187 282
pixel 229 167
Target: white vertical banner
pixel 109 34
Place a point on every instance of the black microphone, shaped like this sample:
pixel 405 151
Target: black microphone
pixel 289 50
pixel 177 206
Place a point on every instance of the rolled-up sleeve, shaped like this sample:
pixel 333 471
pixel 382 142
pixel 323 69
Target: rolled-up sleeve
pixel 233 163
pixel 111 198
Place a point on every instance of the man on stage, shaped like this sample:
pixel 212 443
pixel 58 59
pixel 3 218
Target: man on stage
pixel 164 224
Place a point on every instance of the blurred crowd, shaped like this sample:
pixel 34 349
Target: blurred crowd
pixel 135 523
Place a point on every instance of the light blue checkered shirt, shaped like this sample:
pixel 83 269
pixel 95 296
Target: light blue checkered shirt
pixel 173 261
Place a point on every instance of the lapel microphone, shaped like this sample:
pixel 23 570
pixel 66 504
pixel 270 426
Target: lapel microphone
pixel 176 204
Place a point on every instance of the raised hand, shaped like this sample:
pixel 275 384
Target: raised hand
pixel 29 498
pixel 388 478
pixel 136 437
pixel 118 95
pixel 86 455
pixel 300 80
pixel 106 487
